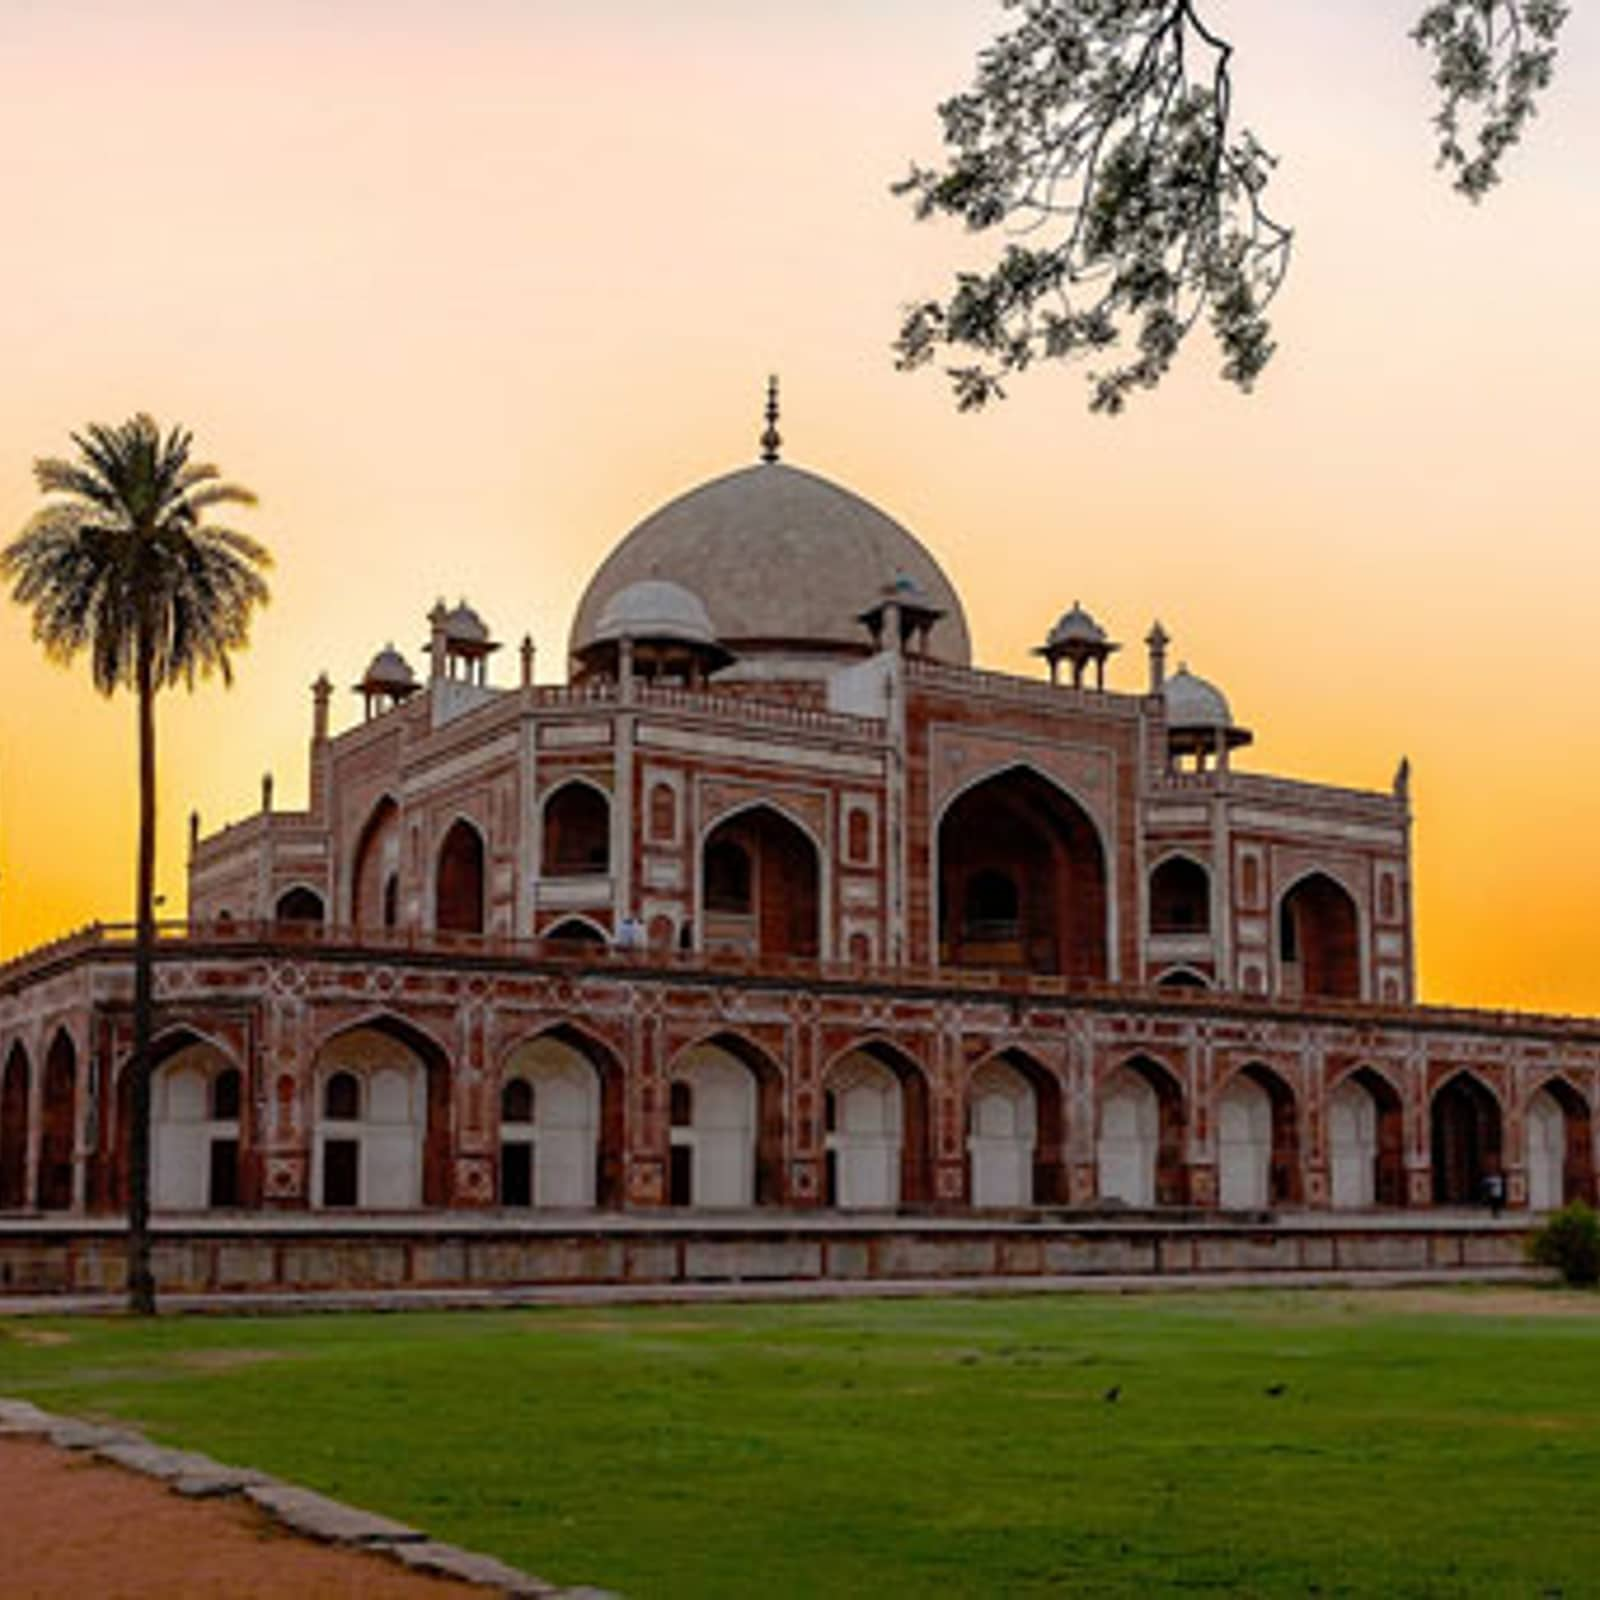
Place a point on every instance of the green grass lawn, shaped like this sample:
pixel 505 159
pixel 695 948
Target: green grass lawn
pixel 1426 1444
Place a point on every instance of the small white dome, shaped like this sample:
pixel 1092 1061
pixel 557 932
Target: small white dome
pixel 1194 703
pixel 1077 626
pixel 654 608
pixel 389 670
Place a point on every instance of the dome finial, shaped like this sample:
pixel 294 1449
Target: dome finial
pixel 771 439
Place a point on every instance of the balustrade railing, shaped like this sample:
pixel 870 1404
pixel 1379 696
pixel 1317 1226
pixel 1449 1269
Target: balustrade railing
pixel 1266 790
pixel 290 939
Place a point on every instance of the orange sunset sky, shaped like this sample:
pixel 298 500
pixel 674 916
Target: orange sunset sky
pixel 465 289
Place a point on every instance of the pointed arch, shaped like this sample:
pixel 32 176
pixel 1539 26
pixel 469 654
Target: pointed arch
pixel 1559 1129
pixel 460 880
pixel 575 830
pixel 1140 1119
pixel 1180 895
pixel 1258 1139
pixel 300 904
pixel 14 1091
pixel 1017 837
pixel 768 1186
pixel 895 1108
pixel 198 1131
pixel 778 909
pixel 576 930
pixel 1036 1127
pixel 1465 1122
pixel 375 867
pixel 402 1160
pixel 58 1124
pixel 1366 1139
pixel 610 1144
pixel 1183 977
pixel 169 1042
pixel 1319 938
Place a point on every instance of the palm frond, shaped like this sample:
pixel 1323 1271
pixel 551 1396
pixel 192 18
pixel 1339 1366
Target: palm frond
pixel 123 553
pixel 216 494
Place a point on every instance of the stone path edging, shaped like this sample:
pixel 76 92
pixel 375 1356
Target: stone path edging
pixel 303 1511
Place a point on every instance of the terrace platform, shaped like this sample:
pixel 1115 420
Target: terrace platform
pixel 489 1255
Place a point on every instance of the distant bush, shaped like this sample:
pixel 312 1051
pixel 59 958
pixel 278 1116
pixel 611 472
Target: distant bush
pixel 1570 1242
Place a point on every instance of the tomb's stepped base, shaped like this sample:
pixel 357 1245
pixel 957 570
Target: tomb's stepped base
pixel 260 1255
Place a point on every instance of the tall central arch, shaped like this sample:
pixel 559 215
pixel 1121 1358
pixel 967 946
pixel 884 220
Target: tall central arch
pixel 1022 880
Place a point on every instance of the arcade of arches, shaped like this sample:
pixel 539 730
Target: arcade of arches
pixel 379 1120
pixel 1022 880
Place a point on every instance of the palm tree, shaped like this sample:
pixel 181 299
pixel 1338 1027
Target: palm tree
pixel 121 563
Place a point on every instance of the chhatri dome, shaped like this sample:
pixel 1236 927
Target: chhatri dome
pixel 783 562
pixel 655 609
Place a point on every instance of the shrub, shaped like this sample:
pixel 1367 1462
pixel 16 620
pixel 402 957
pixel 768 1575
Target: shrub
pixel 1570 1242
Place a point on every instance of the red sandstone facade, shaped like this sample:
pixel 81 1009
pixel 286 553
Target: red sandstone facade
pixel 740 917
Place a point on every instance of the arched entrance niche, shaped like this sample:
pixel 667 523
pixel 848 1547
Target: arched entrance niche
pixel 1014 1133
pixel 1139 1142
pixel 876 1130
pixel 560 1123
pixel 299 905
pixel 725 1105
pixel 1319 940
pixel 1560 1147
pixel 1466 1128
pixel 458 902
pixel 1181 978
pixel 381 1138
pixel 14 1130
pixel 1366 1143
pixel 761 886
pixel 375 876
pixel 57 1129
pixel 196 1106
pixel 1022 880
pixel 1258 1142
pixel 576 931
pixel 577 832
pixel 1180 897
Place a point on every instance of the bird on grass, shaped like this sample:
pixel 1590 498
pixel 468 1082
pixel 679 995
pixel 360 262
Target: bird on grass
pixel 1113 1394
pixel 1276 1389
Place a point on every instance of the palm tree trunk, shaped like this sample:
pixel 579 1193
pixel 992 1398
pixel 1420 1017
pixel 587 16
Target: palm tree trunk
pixel 141 1281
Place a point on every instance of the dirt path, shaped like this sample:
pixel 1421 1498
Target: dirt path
pixel 70 1525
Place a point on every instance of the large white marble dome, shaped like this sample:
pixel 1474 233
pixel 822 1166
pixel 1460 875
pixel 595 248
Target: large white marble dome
pixel 784 562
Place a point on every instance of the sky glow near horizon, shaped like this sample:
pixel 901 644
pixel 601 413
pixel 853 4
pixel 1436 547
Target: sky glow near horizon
pixel 464 291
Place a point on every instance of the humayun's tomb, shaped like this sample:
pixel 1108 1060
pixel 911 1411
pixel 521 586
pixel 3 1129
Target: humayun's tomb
pixel 779 907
